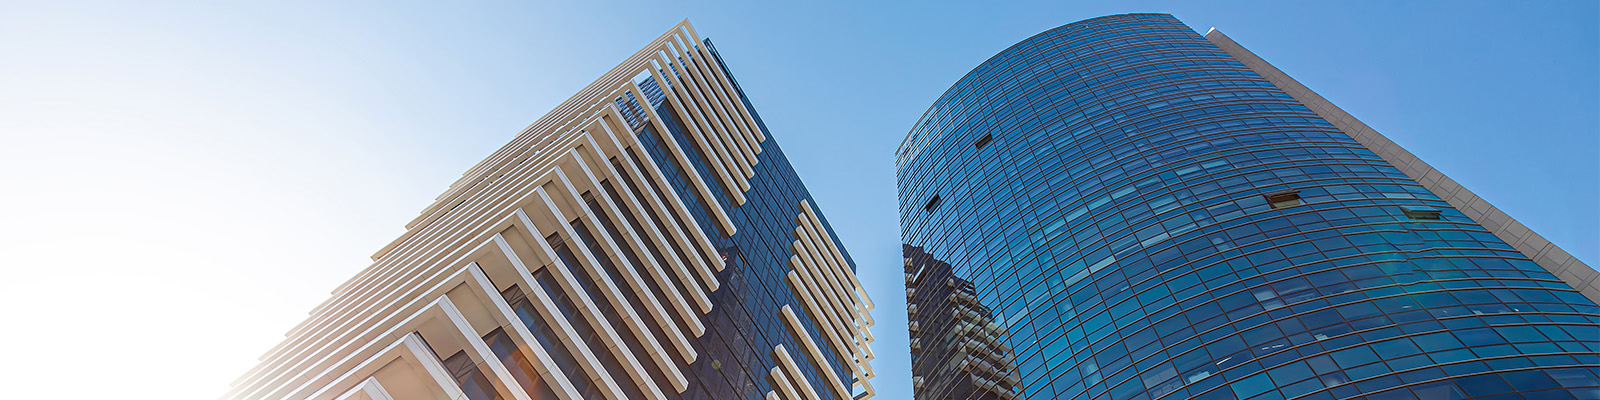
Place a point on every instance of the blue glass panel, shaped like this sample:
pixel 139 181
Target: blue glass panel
pixel 1149 218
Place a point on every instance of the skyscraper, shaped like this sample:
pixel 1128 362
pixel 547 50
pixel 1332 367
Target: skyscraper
pixel 647 239
pixel 1148 213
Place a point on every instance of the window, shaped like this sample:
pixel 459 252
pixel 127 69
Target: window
pixel 1420 212
pixel 983 141
pixel 1283 199
pixel 521 369
pixel 932 203
pixel 472 381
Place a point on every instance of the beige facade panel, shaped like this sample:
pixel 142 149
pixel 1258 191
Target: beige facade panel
pixel 815 310
pixel 685 84
pixel 435 370
pixel 612 294
pixel 818 274
pixel 826 273
pixel 342 307
pixel 367 390
pixel 694 79
pixel 843 343
pixel 500 377
pixel 1576 273
pixel 335 326
pixel 728 134
pixel 782 384
pixel 792 370
pixel 591 316
pixel 724 100
pixel 690 119
pixel 815 224
pixel 544 365
pixel 830 264
pixel 823 280
pixel 500 373
pixel 674 261
pixel 299 371
pixel 434 303
pixel 407 360
pixel 726 81
pixel 824 368
pixel 727 127
pixel 514 259
pixel 630 275
pixel 677 152
pixel 674 212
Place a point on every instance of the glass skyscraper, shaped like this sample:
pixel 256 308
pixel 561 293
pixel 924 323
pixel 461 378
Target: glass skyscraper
pixel 1132 211
pixel 647 239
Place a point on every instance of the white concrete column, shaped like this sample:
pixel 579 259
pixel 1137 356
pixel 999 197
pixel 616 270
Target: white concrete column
pixel 430 365
pixel 544 365
pixel 562 327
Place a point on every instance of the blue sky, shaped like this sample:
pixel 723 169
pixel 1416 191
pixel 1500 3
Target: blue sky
pixel 188 179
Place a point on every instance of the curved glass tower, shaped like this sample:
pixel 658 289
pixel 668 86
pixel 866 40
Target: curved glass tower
pixel 1123 209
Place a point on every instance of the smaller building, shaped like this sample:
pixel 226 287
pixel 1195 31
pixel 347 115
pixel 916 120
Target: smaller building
pixel 959 349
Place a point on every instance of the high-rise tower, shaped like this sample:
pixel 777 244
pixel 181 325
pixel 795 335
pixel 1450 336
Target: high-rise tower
pixel 1147 213
pixel 646 239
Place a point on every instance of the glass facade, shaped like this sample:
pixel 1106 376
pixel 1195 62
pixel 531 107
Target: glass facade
pixel 1147 218
pixel 745 325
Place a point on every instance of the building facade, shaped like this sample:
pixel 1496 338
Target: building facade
pixel 647 239
pixel 964 340
pixel 1147 213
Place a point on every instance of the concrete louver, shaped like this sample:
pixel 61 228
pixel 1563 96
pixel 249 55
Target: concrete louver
pixel 369 389
pixel 703 101
pixel 823 281
pixel 783 387
pixel 404 361
pixel 823 366
pixel 439 291
pixel 788 377
pixel 569 336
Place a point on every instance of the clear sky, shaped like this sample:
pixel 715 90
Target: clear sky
pixel 184 181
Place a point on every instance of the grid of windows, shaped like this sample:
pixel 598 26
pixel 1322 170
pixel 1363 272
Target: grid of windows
pixel 745 325
pixel 1121 221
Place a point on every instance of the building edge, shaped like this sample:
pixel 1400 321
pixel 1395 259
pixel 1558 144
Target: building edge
pixel 1542 251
